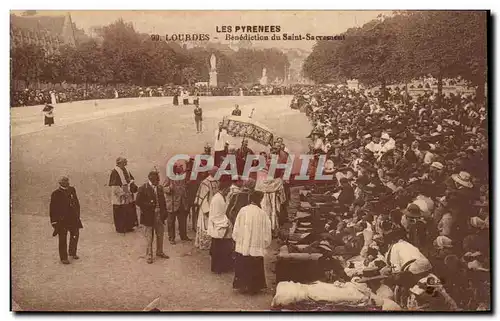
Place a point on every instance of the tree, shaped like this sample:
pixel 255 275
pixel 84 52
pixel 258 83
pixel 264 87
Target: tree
pixel 190 75
pixel 405 46
pixel 27 63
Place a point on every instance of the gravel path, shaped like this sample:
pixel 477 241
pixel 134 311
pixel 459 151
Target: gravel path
pixel 112 274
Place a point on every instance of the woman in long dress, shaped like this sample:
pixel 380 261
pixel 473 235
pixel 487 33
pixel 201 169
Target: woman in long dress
pixel 208 188
pixel 176 98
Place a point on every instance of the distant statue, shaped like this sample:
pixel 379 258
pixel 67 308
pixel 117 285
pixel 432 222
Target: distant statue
pixel 263 80
pixel 213 61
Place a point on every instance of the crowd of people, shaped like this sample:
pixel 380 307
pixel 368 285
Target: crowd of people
pixel 409 188
pixel 411 177
pixel 70 93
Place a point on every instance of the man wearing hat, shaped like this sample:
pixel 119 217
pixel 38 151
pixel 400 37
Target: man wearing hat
pixel 429 294
pixel 374 145
pixel 373 279
pixel 404 256
pixel 436 172
pixel 65 217
pixel 123 188
pixel 414 225
pixel 462 180
pixel 151 201
pixel 317 137
pixel 177 203
pixel 386 143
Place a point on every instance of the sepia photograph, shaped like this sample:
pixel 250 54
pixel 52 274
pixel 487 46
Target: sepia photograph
pixel 251 160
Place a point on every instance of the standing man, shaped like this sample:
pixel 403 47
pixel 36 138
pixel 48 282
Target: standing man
pixel 198 118
pixel 176 98
pixel 252 234
pixel 65 217
pixel 241 155
pixel 177 204
pixel 236 111
pixel 219 229
pixel 151 200
pixel 123 188
pixel 220 144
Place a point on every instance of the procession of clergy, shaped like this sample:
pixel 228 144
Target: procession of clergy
pixel 233 219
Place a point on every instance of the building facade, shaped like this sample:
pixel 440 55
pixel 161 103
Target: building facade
pixel 49 32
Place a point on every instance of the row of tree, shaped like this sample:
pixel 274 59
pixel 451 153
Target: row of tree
pixel 121 55
pixel 405 46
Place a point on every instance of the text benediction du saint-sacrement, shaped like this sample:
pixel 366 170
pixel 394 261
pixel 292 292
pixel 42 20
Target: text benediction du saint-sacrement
pixel 239 32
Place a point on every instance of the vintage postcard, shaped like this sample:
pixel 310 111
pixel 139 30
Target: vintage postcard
pixel 249 161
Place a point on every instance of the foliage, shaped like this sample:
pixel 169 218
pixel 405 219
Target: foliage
pixel 404 46
pixel 119 54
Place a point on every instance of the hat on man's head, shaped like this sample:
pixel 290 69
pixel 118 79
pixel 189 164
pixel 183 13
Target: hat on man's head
pixel 463 178
pixel 120 160
pixel 437 165
pixel 371 274
pixel 478 223
pixel 325 246
pixel 419 266
pixel 316 132
pixel 413 211
pixel 442 242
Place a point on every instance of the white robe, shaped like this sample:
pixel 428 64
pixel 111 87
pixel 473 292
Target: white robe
pixel 218 223
pixel 220 141
pixel 252 231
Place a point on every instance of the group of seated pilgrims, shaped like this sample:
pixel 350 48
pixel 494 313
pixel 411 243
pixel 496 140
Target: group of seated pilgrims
pixel 408 196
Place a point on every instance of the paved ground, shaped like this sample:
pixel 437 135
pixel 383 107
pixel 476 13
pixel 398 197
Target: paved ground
pixel 112 274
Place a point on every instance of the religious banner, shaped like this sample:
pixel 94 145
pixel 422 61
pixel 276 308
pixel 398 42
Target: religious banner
pixel 248 128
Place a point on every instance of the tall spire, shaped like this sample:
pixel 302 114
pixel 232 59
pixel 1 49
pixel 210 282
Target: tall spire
pixel 68 32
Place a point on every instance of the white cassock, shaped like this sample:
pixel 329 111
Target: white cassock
pixel 220 140
pixel 252 231
pixel 53 99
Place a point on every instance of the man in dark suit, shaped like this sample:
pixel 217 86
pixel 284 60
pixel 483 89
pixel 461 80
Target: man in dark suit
pixel 65 217
pixel 236 111
pixel 151 201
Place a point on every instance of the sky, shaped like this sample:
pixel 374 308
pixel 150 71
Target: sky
pixel 321 23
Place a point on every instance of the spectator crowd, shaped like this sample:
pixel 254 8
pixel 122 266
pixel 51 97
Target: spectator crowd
pixel 32 97
pixel 411 183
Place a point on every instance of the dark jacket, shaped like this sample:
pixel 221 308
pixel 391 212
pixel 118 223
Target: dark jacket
pixel 198 114
pixel 65 208
pixel 346 196
pixel 146 201
pixel 236 203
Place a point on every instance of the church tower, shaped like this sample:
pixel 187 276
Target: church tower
pixel 68 32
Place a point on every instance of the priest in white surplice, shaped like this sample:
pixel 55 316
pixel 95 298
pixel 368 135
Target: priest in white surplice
pixel 221 144
pixel 252 234
pixel 123 188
